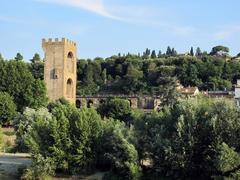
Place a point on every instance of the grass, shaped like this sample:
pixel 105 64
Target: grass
pixel 8 140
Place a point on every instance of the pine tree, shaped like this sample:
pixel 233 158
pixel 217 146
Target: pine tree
pixel 198 52
pixel 153 55
pixel 36 58
pixel 169 51
pixel 192 51
pixel 146 54
pixel 159 53
pixel 18 57
pixel 174 52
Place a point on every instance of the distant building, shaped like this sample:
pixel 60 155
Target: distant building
pixel 188 91
pixel 220 94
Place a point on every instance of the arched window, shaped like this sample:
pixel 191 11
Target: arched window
pixel 70 62
pixel 78 103
pixel 70 55
pixel 89 103
pixel 69 88
pixel 102 101
pixel 130 102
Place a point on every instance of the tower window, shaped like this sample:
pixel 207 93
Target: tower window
pixel 70 55
pixel 69 88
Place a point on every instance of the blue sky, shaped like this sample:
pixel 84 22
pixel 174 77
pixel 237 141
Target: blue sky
pixel 106 27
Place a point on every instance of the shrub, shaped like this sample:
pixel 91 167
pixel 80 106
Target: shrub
pixel 7 108
pixel 183 142
pixel 40 169
pixel 117 109
pixel 117 153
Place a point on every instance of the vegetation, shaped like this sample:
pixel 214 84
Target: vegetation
pixel 116 109
pixel 198 138
pixel 7 108
pixel 195 138
pixel 18 81
pixel 136 74
pixel 71 141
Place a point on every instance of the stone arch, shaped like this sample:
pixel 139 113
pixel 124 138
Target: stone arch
pixel 70 62
pixel 102 101
pixel 130 102
pixel 69 90
pixel 78 103
pixel 70 55
pixel 89 103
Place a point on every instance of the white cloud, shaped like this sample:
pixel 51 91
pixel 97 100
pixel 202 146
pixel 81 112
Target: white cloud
pixel 133 14
pixel 227 32
pixel 96 6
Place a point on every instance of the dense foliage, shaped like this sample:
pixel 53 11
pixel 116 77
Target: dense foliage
pixel 7 108
pixel 146 74
pixel 74 141
pixel 18 81
pixel 198 138
pixel 116 108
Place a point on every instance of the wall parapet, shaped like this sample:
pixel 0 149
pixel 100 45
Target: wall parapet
pixel 57 40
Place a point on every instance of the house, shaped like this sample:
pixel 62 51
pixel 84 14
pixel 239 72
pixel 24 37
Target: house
pixel 188 91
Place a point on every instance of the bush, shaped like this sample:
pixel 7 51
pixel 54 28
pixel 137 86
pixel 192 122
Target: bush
pixel 78 141
pixel 40 169
pixel 117 109
pixel 69 137
pixel 23 124
pixel 7 108
pixel 183 142
pixel 117 153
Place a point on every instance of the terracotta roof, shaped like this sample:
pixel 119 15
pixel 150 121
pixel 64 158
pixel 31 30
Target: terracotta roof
pixel 188 90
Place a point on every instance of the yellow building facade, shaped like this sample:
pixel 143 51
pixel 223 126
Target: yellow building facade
pixel 60 68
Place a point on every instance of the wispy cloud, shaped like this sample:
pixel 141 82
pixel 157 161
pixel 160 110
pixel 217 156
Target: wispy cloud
pixel 227 32
pixel 95 6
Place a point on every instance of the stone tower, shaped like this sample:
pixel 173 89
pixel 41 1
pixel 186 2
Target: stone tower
pixel 60 67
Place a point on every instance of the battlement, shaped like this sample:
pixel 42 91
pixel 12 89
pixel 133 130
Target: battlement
pixel 56 41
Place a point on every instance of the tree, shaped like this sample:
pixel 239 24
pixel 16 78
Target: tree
pixel 166 85
pixel 7 108
pixel 37 67
pixel 36 58
pixel 132 80
pixel 71 141
pixel 192 51
pixel 117 152
pixel 227 161
pixel 153 55
pixel 18 57
pixel 104 76
pixel 147 53
pixel 169 51
pixel 159 53
pixel 219 49
pixel 174 52
pixel 197 138
pixel 198 52
pixel 117 109
pixel 13 74
pixel 68 138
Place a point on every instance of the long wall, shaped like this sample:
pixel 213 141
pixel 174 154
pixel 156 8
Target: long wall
pixel 136 102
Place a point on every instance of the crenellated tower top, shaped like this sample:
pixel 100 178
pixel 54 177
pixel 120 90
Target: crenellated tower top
pixel 56 41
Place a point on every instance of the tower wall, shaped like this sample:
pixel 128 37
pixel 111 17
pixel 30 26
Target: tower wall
pixel 60 67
